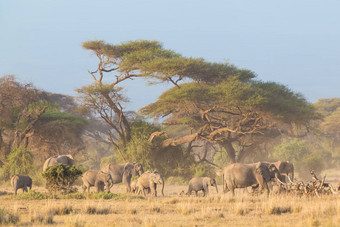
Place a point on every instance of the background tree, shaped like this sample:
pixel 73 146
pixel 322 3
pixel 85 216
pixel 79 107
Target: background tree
pixel 118 63
pixel 17 116
pixel 330 126
pixel 36 121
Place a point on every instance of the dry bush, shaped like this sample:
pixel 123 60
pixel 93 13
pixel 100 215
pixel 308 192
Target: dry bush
pixel 8 218
pixel 45 219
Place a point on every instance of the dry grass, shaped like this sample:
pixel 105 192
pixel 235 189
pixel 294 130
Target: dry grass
pixel 174 210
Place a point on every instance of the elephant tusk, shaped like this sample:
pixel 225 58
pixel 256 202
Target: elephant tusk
pixel 290 180
pixel 281 181
pixel 332 189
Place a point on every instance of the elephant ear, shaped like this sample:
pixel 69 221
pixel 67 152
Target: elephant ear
pixel 69 156
pixel 70 159
pixel 128 168
pixel 262 169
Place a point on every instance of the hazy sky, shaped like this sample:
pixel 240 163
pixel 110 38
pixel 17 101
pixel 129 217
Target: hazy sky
pixel 293 42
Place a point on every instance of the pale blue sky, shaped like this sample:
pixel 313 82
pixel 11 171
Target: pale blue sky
pixel 296 43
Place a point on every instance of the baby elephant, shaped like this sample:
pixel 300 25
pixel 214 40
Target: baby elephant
pixel 98 179
pixel 201 183
pixel 19 181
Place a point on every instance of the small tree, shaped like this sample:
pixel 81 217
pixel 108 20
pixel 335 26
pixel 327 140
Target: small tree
pixel 61 177
pixel 20 161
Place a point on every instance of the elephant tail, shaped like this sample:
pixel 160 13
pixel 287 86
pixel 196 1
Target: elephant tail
pixel 162 186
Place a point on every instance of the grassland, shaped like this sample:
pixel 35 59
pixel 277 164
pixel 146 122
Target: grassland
pixel 123 209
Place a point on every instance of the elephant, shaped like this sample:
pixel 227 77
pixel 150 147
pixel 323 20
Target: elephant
pixel 149 181
pixel 201 183
pixel 134 187
pixel 286 168
pixel 97 179
pixel 20 181
pixel 56 159
pixel 239 175
pixel 123 172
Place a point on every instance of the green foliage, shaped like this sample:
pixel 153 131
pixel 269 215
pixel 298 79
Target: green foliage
pixel 221 158
pixel 107 160
pixel 202 170
pixel 30 195
pixel 170 161
pixel 292 150
pixel 60 177
pixel 20 161
pixel 302 155
pixel 271 98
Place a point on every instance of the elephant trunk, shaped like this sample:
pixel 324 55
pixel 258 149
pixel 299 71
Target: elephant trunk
pixel 216 188
pixel 291 175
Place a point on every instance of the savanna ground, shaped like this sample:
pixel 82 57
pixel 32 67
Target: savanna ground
pixel 123 209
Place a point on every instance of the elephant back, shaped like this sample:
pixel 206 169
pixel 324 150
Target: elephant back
pixel 262 169
pixel 55 160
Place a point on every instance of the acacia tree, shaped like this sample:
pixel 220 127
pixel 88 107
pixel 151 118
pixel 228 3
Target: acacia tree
pixel 33 119
pixel 118 63
pixel 17 117
pixel 229 112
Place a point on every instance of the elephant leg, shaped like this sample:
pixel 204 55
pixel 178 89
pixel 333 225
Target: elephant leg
pixel 15 191
pixel 97 187
pixel 206 191
pixel 196 193
pixel 189 191
pixel 232 189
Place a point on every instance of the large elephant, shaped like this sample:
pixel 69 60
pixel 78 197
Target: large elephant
pixel 123 172
pixel 20 181
pixel 239 175
pixel 201 184
pixel 149 181
pixel 55 160
pixel 286 168
pixel 97 179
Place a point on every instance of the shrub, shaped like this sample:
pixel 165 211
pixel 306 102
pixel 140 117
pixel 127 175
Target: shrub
pixel 31 195
pixel 7 217
pixel 43 219
pixel 61 177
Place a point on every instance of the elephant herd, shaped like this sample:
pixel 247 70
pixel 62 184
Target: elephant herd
pixel 236 175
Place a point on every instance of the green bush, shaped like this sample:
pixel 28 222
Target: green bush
pixel 31 195
pixel 61 177
pixel 20 161
pixel 303 155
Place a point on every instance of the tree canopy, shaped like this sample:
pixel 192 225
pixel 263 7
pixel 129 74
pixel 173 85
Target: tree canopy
pixel 217 102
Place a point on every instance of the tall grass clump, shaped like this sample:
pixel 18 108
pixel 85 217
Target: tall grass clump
pixel 8 218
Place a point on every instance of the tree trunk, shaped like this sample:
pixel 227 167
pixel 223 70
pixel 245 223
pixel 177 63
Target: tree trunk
pixel 126 127
pixel 230 151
